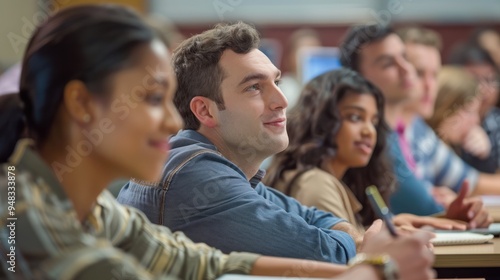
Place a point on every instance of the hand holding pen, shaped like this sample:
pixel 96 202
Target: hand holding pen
pixel 381 209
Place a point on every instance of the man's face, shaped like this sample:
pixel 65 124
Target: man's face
pixel 253 124
pixel 384 63
pixel 427 63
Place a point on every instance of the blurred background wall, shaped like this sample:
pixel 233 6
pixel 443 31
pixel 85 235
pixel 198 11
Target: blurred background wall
pixel 453 19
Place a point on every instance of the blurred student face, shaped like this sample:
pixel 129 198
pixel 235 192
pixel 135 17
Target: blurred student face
pixel 488 86
pixel 140 116
pixel 490 40
pixel 253 123
pixel 427 63
pixel 384 63
pixel 357 136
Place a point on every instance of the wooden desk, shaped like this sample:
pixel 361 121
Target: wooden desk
pixel 468 261
pixel 482 255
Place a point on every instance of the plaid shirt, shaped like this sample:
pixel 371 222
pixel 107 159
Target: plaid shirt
pixel 114 242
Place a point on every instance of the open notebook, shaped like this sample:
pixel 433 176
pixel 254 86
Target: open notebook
pixel 460 238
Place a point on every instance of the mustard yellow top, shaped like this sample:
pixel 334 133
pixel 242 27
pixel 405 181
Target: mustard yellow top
pixel 320 189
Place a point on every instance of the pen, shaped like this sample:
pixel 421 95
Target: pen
pixel 380 208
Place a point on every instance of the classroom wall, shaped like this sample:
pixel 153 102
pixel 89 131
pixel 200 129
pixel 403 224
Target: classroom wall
pixel 139 5
pixel 17 19
pixel 325 11
pixel 331 35
pixel 275 18
pixel 453 19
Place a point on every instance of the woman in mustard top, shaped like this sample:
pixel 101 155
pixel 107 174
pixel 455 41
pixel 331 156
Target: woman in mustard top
pixel 337 148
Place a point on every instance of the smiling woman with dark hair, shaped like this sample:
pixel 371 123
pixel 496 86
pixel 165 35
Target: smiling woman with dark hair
pixel 316 127
pixel 337 147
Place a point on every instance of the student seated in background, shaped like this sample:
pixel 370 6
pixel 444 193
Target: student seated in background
pixel 96 109
pixel 480 64
pixel 423 47
pixel 488 39
pixel 456 108
pixel 435 163
pixel 379 55
pixel 235 117
pixel 337 148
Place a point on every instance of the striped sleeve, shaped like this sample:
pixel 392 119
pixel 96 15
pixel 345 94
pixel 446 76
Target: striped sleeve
pixel 450 170
pixel 437 162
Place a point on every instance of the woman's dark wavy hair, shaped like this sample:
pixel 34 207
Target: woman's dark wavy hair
pixel 87 43
pixel 312 127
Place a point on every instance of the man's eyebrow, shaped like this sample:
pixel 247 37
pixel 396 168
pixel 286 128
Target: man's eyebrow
pixel 258 76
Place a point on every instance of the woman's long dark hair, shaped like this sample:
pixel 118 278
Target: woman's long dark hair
pixel 86 43
pixel 313 125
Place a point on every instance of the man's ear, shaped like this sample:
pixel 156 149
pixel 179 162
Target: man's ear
pixel 78 102
pixel 202 108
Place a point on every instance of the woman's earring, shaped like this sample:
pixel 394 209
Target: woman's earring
pixel 86 118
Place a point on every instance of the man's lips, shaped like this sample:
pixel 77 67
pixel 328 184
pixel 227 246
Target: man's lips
pixel 276 122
